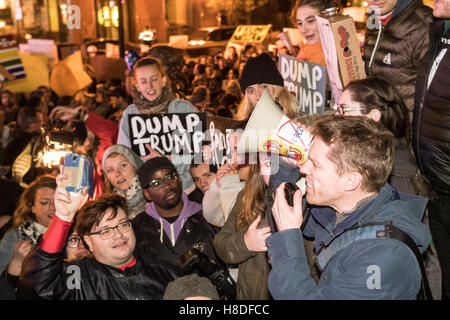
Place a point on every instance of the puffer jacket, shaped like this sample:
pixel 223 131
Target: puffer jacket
pixel 431 125
pixel 402 45
pixel 349 273
pixel 47 276
pixel 253 266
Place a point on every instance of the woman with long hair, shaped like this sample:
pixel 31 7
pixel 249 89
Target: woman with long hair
pixel 241 240
pixel 378 99
pixel 30 220
pixel 303 17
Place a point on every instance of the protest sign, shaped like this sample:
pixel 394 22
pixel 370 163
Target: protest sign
pixel 219 142
pixel 307 80
pixel 68 76
pixel 250 33
pixel 10 58
pixel 168 133
pixel 37 73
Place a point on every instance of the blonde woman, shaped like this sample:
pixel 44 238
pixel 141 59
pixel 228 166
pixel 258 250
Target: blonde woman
pixel 259 74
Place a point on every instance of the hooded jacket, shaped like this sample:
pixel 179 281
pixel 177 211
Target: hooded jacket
pixel 431 126
pixel 350 274
pixel 156 237
pixel 394 51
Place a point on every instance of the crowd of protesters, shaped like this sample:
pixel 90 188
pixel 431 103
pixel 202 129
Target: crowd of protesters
pixel 147 218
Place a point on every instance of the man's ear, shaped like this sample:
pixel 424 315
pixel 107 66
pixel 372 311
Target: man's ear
pixel 88 241
pixel 146 195
pixel 375 115
pixel 352 181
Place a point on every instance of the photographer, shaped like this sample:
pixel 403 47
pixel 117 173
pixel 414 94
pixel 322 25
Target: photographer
pixel 365 232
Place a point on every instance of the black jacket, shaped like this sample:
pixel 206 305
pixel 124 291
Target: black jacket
pixel 402 46
pixel 431 126
pixel 47 276
pixel 196 233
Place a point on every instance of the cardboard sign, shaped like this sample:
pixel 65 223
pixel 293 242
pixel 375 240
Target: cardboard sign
pixel 342 53
pixel 307 80
pixel 68 76
pixel 108 68
pixel 219 141
pixel 168 133
pixel 250 33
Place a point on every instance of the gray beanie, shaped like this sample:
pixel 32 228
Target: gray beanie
pixel 126 152
pixel 191 285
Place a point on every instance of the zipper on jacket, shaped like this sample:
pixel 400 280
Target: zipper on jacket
pixel 376 46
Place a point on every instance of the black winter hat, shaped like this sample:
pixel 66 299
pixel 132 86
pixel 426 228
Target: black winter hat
pixel 261 69
pixel 146 171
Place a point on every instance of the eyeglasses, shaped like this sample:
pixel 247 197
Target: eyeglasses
pixel 73 242
pixel 107 233
pixel 168 178
pixel 342 110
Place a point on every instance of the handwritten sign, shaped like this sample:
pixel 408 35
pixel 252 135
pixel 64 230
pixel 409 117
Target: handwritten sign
pixel 168 133
pixel 307 80
pixel 250 33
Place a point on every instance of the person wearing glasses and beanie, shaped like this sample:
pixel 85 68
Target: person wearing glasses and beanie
pixel 259 74
pixel 171 224
pixel 111 272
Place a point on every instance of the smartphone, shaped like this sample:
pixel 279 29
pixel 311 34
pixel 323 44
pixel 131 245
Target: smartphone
pixel 79 171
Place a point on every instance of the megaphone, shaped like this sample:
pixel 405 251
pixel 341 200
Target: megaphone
pixel 269 130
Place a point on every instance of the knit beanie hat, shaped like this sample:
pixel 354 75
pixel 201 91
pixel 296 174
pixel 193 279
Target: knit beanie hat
pixel 191 285
pixel 261 69
pixel 126 152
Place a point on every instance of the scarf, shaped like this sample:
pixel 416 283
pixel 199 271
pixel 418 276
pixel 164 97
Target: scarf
pixel 31 230
pixel 160 105
pixel 134 196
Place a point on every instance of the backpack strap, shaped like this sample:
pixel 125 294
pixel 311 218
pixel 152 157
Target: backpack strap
pixel 373 231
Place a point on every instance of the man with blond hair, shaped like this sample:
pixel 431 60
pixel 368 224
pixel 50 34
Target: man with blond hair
pixel 356 219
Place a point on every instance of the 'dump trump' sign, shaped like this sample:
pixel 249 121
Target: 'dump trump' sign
pixel 307 80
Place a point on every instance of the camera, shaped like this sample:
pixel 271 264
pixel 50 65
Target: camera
pixel 195 260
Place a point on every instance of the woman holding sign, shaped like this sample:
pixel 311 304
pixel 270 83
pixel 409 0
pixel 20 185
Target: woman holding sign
pixel 303 16
pixel 152 93
pixel 259 74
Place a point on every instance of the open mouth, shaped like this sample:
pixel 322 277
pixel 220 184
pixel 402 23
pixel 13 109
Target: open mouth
pixel 170 195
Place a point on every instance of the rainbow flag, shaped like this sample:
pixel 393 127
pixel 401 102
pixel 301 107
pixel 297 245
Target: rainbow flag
pixel 10 58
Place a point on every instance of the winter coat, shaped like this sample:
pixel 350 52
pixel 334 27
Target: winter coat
pixel 404 169
pixel 47 276
pixel 431 126
pixel 402 46
pixel 253 266
pixel 218 201
pixel 182 162
pixel 157 238
pixel 350 274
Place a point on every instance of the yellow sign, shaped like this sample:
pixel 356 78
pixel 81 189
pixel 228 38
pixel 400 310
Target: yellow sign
pixel 35 66
pixel 251 33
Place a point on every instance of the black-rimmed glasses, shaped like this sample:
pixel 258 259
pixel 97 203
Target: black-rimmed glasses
pixel 107 233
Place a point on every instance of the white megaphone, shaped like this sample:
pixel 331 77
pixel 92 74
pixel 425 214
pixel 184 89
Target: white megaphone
pixel 269 130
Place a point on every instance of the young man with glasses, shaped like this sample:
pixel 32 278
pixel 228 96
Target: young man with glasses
pixel 171 224
pixel 111 272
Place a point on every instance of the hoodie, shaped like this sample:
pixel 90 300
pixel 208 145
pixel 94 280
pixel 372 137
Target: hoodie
pixel 172 230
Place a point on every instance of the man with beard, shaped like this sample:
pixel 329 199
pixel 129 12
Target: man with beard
pixel 171 224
